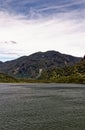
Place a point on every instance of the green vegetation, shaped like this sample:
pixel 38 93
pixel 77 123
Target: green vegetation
pixel 67 74
pixel 6 79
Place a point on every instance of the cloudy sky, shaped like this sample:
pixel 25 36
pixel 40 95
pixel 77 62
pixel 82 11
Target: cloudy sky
pixel 28 26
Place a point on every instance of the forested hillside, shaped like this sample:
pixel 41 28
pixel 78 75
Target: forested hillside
pixel 67 74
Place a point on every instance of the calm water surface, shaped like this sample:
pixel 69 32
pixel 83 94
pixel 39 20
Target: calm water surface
pixel 42 107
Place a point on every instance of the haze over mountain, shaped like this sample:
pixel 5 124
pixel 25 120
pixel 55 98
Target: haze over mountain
pixel 31 66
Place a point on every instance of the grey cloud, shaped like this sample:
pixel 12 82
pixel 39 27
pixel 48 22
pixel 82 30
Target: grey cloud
pixel 8 42
pixel 13 42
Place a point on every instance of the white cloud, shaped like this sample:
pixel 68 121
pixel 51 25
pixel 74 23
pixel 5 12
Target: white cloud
pixel 58 34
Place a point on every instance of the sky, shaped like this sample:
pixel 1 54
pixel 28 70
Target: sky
pixel 29 26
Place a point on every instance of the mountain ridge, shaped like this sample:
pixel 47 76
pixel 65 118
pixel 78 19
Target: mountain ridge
pixel 29 66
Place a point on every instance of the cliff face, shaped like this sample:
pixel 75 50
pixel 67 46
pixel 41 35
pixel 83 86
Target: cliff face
pixel 30 66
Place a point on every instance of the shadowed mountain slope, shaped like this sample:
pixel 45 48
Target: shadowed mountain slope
pixel 30 66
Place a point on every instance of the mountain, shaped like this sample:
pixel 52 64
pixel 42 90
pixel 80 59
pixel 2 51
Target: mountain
pixel 66 74
pixel 1 63
pixel 31 66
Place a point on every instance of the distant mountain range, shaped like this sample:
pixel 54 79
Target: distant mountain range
pixel 32 66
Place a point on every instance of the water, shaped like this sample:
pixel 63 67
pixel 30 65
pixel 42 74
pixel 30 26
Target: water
pixel 42 107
